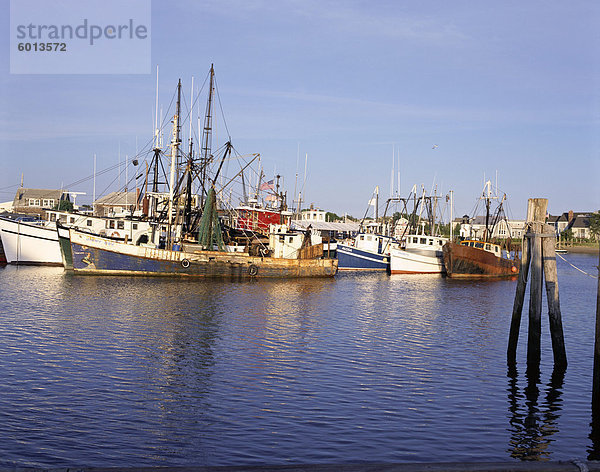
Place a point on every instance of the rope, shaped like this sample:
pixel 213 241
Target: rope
pixel 575 267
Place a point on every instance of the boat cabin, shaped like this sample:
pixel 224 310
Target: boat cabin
pixel 429 241
pixel 489 247
pixel 286 244
pixel 375 243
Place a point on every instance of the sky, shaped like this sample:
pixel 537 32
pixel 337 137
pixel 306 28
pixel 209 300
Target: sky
pixel 456 92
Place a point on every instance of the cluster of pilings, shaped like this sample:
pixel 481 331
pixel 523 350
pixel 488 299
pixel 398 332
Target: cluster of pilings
pixel 539 258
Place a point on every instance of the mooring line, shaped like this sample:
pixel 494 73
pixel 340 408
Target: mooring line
pixel 575 267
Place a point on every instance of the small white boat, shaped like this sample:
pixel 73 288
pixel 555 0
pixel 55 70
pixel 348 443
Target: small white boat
pixel 421 255
pixel 29 241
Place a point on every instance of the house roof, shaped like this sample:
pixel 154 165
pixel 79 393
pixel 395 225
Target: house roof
pixel 117 198
pixel 327 226
pixel 25 193
pixel 581 221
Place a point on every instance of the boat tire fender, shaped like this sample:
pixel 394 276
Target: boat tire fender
pixel 252 270
pixel 185 263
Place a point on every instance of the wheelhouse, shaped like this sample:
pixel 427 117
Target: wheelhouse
pixel 489 247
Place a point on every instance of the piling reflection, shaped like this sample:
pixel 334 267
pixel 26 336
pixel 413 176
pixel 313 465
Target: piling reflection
pixel 594 448
pixel 533 422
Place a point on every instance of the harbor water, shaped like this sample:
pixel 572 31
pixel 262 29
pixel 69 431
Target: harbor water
pixel 120 371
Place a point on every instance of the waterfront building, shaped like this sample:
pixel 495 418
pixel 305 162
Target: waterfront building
pixel 33 201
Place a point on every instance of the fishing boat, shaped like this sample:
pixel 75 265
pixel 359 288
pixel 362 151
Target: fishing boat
pixel 33 241
pixel 27 240
pixel 370 248
pixel 474 258
pixel 206 257
pixel 189 235
pixel 481 257
pixel 421 254
pixel 366 251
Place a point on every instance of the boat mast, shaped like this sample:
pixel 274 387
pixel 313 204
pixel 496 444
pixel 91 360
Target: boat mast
pixel 451 202
pixel 174 155
pixel 189 168
pixel 207 138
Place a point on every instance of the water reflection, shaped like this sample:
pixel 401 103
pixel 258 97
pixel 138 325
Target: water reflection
pixel 594 449
pixel 533 422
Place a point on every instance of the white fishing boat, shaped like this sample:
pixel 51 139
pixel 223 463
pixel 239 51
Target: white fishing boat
pixel 421 255
pixel 29 241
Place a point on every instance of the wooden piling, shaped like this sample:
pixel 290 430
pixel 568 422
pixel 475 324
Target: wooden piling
pixel 515 324
pixel 536 213
pixel 596 383
pixel 551 276
pixel 539 258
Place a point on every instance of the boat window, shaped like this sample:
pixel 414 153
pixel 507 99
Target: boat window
pixel 134 226
pixel 362 238
pixel 431 242
pixel 479 245
pixel 89 222
pixel 415 240
pixel 487 247
pixel 369 238
pixel 440 242
pixel 111 224
pixel 471 244
pixel 423 241
pixel 496 248
pixel 52 216
pixel 71 220
pixel 120 224
pixel 291 239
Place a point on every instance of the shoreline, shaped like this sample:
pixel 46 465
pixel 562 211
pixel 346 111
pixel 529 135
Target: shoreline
pixel 581 249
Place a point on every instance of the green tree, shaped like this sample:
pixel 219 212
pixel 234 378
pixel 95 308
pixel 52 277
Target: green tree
pixel 331 216
pixel 595 224
pixel 64 205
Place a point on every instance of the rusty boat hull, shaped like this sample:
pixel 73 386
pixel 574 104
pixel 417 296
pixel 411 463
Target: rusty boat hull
pixel 466 261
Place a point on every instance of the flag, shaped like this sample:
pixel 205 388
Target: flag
pixel 267 185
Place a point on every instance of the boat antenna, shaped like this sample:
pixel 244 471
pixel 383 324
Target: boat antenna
pixel 156 132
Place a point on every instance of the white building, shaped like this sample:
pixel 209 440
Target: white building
pixel 474 228
pixel 313 215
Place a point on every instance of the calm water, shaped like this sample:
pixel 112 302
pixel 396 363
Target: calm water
pixel 108 371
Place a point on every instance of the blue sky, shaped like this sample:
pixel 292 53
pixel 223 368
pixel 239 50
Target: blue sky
pixel 508 88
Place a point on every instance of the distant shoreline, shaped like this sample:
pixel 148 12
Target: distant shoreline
pixel 582 249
